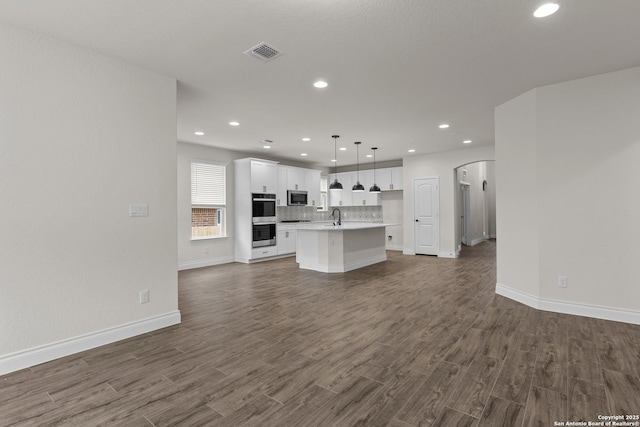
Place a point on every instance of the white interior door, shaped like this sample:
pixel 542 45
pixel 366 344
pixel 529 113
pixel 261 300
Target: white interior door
pixel 427 224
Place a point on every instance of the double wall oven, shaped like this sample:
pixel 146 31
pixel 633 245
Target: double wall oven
pixel 263 219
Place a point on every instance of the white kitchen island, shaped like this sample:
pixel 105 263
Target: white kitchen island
pixel 337 249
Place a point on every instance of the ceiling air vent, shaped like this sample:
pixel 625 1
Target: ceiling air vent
pixel 263 52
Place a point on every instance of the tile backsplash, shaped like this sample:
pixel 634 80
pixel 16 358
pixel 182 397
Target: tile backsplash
pixel 348 213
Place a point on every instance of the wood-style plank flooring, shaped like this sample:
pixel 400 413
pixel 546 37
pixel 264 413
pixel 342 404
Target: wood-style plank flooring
pixel 414 341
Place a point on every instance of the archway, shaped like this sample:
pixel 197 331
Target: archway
pixel 474 203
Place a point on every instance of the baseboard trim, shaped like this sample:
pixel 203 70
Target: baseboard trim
pixel 365 262
pixel 323 268
pixel 586 310
pixel 447 255
pixel 204 263
pixel 478 240
pixel 45 353
pixel 394 248
pixel 405 252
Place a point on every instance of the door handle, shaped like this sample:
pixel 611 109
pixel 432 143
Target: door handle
pixel 417 220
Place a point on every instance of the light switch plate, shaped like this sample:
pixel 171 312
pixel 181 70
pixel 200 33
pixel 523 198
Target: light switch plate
pixel 139 209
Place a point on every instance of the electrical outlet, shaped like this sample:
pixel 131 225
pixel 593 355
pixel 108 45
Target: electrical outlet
pixel 206 249
pixel 144 296
pixel 562 281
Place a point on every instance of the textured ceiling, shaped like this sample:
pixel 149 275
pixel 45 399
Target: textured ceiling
pixel 396 69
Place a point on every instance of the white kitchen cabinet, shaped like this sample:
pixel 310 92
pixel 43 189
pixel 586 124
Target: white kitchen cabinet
pixel 312 183
pixel 251 176
pixel 366 198
pixel 341 197
pixel 383 179
pixel 300 179
pixel 347 197
pixel 389 178
pixel 296 179
pixel 264 176
pixel 281 195
pixel 286 242
pixel 267 251
pixel 396 178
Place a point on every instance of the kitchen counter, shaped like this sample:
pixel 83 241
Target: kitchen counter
pixel 332 248
pixel 355 225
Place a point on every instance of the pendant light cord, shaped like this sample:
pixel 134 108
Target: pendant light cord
pixel 374 167
pixel 335 157
pixel 358 162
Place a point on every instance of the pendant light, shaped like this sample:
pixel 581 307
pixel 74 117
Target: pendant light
pixel 374 188
pixel 335 185
pixel 358 188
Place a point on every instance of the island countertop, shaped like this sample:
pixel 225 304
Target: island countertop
pixel 328 226
pixel 328 248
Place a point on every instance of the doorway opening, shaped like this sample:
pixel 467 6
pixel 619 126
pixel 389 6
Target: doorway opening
pixel 475 204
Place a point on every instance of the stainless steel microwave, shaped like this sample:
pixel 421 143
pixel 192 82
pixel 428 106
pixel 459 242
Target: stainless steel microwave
pixel 296 198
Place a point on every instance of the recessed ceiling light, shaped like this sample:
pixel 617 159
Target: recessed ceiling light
pixel 546 10
pixel 306 139
pixel 466 141
pixel 303 154
pixel 343 148
pixel 199 133
pixel 234 123
pixel 412 150
pixel 320 84
pixel 443 126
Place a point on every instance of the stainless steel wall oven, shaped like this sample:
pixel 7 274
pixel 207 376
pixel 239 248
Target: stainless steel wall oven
pixel 264 219
pixel 264 234
pixel 263 207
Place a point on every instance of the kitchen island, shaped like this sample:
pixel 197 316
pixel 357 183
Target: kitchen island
pixel 332 248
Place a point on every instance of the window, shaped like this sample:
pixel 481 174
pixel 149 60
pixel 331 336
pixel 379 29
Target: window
pixel 208 199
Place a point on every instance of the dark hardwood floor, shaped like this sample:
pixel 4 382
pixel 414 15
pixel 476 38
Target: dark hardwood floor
pixel 414 341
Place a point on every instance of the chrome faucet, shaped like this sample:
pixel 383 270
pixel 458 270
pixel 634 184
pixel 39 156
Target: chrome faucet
pixel 333 214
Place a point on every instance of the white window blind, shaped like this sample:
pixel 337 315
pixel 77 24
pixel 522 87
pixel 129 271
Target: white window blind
pixel 208 184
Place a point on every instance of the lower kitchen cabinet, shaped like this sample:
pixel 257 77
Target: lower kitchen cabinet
pixel 286 242
pixel 264 252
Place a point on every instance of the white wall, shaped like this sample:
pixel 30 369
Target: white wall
pixel 81 137
pixel 440 165
pixel 491 196
pixel 516 193
pixel 572 149
pixel 200 253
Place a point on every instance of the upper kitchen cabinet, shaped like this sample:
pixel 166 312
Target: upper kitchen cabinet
pixel 298 179
pixel 264 176
pixel 312 178
pixel 341 197
pixel 396 178
pixel 365 198
pixel 389 178
pixel 281 196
